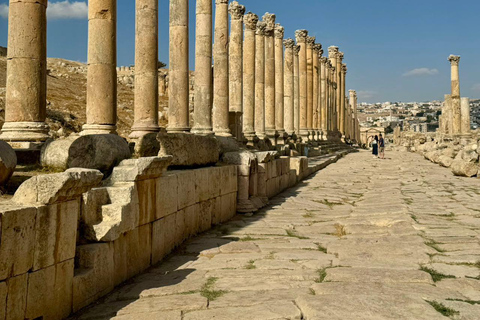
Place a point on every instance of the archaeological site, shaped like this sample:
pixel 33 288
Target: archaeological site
pixel 241 189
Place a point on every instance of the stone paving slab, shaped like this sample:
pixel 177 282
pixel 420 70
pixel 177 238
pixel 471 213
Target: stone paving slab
pixel 362 239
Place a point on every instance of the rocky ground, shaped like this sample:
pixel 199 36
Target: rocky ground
pixel 363 239
pixel 66 98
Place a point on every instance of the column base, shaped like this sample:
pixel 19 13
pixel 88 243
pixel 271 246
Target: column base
pixel 251 138
pixel 223 133
pixel 202 131
pixel 140 131
pixel 304 134
pixel 90 129
pixel 24 132
pixel 178 130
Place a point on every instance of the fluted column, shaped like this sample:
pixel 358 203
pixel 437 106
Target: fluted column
pixel 26 92
pixel 260 80
pixel 102 72
pixel 310 54
pixel 289 86
pixel 250 21
pixel 332 55
pixel 279 84
pixel 456 108
pixel 296 89
pixel 202 113
pixel 221 71
pixel 301 37
pixel 146 69
pixel 343 106
pixel 323 95
pixel 178 74
pixel 269 19
pixel 317 49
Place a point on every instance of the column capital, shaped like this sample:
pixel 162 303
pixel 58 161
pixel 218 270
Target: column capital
pixel 279 31
pixel 340 55
pixel 317 47
pixel 236 10
pixel 261 28
pixel 301 35
pixel 221 1
pixel 344 68
pixel 454 60
pixel 296 49
pixel 324 60
pixel 311 42
pixel 289 43
pixel 250 20
pixel 352 91
pixel 269 19
pixel 332 52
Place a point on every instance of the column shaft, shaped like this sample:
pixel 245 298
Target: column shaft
pixel 260 80
pixel 323 96
pixel 310 97
pixel 296 89
pixel 316 89
pixel 269 19
pixel 465 115
pixel 289 87
pixel 301 36
pixel 343 106
pixel 455 106
pixel 279 83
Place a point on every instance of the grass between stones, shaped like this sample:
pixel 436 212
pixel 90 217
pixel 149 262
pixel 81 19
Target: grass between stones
pixel 312 292
pixel 433 244
pixel 209 292
pixel 249 238
pixel 339 230
pixel 322 274
pixel 436 276
pixel 250 265
pixel 414 217
pixel 293 234
pixel 472 302
pixel 441 308
pixel 331 205
pixel 309 214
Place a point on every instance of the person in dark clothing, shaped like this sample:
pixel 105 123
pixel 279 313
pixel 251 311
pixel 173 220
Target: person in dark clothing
pixel 381 147
pixel 375 146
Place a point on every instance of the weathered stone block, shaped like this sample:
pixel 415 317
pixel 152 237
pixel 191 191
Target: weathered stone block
pixel 228 180
pixel 17 240
pixel 180 228
pixel 120 257
pixel 101 152
pixel 464 168
pixel 3 299
pixel 8 162
pixel 167 195
pixel 244 159
pixel 217 211
pixel 292 178
pixel 147 145
pixel 204 211
pixel 17 297
pixel 203 186
pixel 40 292
pixel 215 177
pixel 191 221
pixel 159 234
pixel 139 244
pixel 131 170
pixel 170 232
pixel 189 150
pixel 186 188
pixel 229 206
pixel 147 195
pixel 63 289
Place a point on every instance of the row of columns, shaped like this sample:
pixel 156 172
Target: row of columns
pixel 283 88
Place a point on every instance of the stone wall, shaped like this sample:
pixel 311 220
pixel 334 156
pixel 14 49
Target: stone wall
pixel 69 238
pixel 460 153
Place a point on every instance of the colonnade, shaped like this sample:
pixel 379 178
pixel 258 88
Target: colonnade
pixel 285 90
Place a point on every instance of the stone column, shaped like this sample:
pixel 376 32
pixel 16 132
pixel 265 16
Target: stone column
pixel 202 113
pixel 146 69
pixel 323 95
pixel 162 84
pixel 465 115
pixel 339 95
pixel 332 55
pixel 220 71
pixel 310 55
pixel 178 75
pixel 26 92
pixel 351 95
pixel 447 115
pixel 260 80
pixel 343 106
pixel 236 64
pixel 289 87
pixel 296 89
pixel 251 21
pixel 301 37
pixel 317 49
pixel 279 84
pixel 456 108
pixel 328 75
pixel 102 72
pixel 269 19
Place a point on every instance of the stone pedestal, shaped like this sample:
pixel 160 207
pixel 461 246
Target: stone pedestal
pixel 178 84
pixel 269 19
pixel 260 80
pixel 26 91
pixel 301 37
pixel 249 50
pixel 202 116
pixel 146 69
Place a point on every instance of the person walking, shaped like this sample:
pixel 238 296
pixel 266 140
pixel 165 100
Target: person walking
pixel 375 146
pixel 381 147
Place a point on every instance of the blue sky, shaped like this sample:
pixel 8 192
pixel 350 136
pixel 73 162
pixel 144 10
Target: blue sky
pixel 396 50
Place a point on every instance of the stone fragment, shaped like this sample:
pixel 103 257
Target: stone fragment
pixel 464 168
pixel 131 170
pixel 147 145
pixel 8 162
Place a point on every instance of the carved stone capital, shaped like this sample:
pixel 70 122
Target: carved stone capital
pixel 310 42
pixel 279 31
pixel 289 43
pixel 332 52
pixel 454 60
pixel 344 68
pixel 301 36
pixel 250 20
pixel 261 27
pixel 324 60
pixel 296 49
pixel 236 10
pixel 269 19
pixel 317 47
pixel 340 55
pixel 221 1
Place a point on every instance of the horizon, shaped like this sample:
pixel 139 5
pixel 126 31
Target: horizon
pixel 409 41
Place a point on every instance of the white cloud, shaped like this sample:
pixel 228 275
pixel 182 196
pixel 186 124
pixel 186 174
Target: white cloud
pixel 4 11
pixel 476 87
pixel 59 10
pixel 364 95
pixel 420 72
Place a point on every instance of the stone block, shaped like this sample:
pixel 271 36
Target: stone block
pixel 56 233
pixel 243 159
pixel 57 187
pixel 147 145
pixel 94 274
pixel 464 168
pixel 262 180
pixel 180 229
pixel 159 233
pixel 203 185
pixel 3 300
pixel 215 177
pixel 186 188
pixel 191 221
pixel 139 250
pixel 228 179
pixel 8 162
pixel 101 152
pixel 63 289
pixel 205 210
pixel 40 293
pixel 17 240
pixel 120 257
pixel 279 166
pixel 285 165
pixel 167 195
pixel 217 211
pixel 170 233
pixel 189 150
pixel 147 195
pixel 17 297
pixel 131 170
pixel 292 178
pixel 229 206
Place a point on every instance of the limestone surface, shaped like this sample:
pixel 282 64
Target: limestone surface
pixel 8 162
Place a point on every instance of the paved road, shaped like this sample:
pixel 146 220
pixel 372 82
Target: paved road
pixel 363 239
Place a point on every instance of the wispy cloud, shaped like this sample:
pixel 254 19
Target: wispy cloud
pixel 366 94
pixel 3 11
pixel 476 87
pixel 59 10
pixel 421 72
